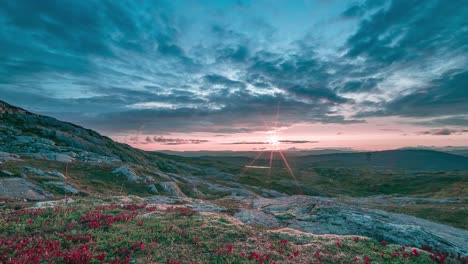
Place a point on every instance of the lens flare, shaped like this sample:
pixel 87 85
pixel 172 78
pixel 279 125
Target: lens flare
pixel 274 141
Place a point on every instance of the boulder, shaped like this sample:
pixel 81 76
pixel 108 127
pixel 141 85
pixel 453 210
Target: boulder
pixel 53 203
pixel 5 172
pixel 258 218
pixel 34 171
pixel 67 188
pixel 22 189
pixel 172 189
pixel 5 156
pixel 152 188
pixel 128 173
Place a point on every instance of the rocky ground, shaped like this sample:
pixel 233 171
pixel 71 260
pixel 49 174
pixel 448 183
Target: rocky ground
pixel 161 229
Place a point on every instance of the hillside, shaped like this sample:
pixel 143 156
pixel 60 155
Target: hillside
pixel 43 137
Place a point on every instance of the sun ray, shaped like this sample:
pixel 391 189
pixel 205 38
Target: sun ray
pixel 271 163
pixel 289 169
pixel 274 141
pixel 251 163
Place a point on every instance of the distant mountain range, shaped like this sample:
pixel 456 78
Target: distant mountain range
pixel 420 159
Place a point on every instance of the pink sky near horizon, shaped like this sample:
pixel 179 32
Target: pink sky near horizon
pixel 373 135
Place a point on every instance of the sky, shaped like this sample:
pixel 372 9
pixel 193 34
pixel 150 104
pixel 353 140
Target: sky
pixel 229 75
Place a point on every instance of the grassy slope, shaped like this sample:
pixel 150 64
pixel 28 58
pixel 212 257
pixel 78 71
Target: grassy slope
pixel 78 233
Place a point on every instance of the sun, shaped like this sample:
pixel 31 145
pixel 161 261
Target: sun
pixel 273 140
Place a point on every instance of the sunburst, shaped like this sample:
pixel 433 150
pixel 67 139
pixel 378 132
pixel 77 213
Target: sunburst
pixel 273 140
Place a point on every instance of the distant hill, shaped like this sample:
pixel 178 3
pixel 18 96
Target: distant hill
pixel 228 153
pixel 420 159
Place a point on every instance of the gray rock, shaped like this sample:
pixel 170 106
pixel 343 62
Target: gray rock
pixel 6 172
pixel 127 172
pixel 56 174
pixel 205 206
pixel 258 218
pixel 67 188
pixel 172 189
pixel 197 193
pixel 25 140
pixel 149 179
pixel 19 188
pixel 34 171
pixel 5 156
pixel 163 200
pixel 40 172
pixel 319 215
pixel 153 188
pixel 53 203
pixel 58 157
pixel 196 205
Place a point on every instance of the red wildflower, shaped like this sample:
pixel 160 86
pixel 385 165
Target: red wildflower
pixel 384 243
pixel 101 257
pixel 356 239
pixel 338 243
pixel 229 248
pixel 366 260
pixel 317 255
pixel 415 252
pixel 355 259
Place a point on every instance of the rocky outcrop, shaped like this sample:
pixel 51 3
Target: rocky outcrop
pixel 22 189
pixel 42 137
pixel 67 188
pixel 53 203
pixel 5 172
pixel 39 172
pixel 319 215
pixel 127 173
pixel 257 218
pixel 194 204
pixel 171 188
pixel 5 156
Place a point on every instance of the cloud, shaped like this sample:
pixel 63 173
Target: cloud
pixel 444 96
pixel 443 132
pixel 408 30
pixel 363 85
pixel 161 67
pixel 164 140
pixel 221 80
pixel 267 143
